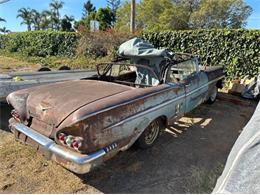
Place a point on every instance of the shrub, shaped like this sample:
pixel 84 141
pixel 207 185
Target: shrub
pixel 238 51
pixel 40 43
pixel 100 44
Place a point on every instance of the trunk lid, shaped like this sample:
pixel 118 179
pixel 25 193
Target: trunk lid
pixel 53 103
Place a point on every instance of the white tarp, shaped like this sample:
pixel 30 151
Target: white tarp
pixel 137 47
pixel 252 91
pixel 242 170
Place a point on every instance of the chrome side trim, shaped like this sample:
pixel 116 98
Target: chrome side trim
pixel 125 103
pixel 145 96
pixel 147 111
pixel 205 85
pixel 166 103
pixel 75 160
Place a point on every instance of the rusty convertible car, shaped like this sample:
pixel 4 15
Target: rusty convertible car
pixel 79 124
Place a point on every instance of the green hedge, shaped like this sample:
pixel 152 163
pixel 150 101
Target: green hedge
pixel 40 43
pixel 237 50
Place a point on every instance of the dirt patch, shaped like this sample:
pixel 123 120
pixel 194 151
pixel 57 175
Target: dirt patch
pixel 188 158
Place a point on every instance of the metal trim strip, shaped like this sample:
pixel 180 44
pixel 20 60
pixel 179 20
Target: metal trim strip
pixel 162 104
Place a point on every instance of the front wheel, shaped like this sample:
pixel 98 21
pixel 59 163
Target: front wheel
pixel 213 95
pixel 150 134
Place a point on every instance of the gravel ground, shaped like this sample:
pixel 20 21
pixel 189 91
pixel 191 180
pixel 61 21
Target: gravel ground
pixel 187 158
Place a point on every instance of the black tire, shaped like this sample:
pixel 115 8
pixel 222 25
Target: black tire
pixel 213 95
pixel 44 69
pixel 150 135
pixel 64 68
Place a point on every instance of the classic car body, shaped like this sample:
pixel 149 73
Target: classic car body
pixel 82 123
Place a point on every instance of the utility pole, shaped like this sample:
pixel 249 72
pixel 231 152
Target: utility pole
pixel 132 21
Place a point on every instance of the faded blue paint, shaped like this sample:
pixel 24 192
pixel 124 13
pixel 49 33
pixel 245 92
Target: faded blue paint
pixel 195 97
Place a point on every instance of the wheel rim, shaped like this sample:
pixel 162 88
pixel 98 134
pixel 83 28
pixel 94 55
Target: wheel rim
pixel 152 133
pixel 214 94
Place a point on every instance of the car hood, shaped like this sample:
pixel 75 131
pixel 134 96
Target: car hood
pixel 54 103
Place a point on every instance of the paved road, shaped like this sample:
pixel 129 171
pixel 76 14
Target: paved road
pixel 8 85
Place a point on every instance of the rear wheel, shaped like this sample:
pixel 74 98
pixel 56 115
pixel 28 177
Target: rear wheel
pixel 150 134
pixel 213 95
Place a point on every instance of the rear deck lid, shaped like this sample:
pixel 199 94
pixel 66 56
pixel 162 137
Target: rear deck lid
pixel 55 102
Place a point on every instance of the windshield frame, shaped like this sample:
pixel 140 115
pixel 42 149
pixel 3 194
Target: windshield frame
pixel 110 64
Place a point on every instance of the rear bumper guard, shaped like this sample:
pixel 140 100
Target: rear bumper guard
pixel 76 162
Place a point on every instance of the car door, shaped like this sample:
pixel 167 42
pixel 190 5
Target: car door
pixel 177 95
pixel 195 83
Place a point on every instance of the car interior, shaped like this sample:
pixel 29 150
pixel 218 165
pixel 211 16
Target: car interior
pixel 180 71
pixel 142 75
pixel 128 74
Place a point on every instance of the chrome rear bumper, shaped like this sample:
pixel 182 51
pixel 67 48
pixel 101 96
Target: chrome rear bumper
pixel 76 162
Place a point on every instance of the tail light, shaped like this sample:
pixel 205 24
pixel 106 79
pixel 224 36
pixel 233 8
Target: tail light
pixel 71 141
pixel 16 115
pixel 61 137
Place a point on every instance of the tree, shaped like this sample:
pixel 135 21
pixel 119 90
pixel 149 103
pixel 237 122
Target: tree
pixel 88 7
pixel 150 14
pixel 36 19
pixel 66 23
pixel 26 15
pixel 186 8
pixel 184 14
pixel 2 20
pixel 45 21
pixel 239 12
pixel 221 14
pixel 123 15
pixel 55 7
pixel 106 18
pixel 173 18
pixel 4 30
pixel 114 5
pixel 85 22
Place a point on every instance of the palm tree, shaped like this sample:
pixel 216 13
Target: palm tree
pixel 26 15
pixel 69 18
pixel 55 6
pixel 3 1
pixel 2 20
pixel 4 30
pixel 66 23
pixel 88 7
pixel 45 21
pixel 36 19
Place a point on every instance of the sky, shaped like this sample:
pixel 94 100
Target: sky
pixel 8 11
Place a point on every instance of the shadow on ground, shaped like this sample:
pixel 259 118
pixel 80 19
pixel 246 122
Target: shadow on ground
pixel 188 157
